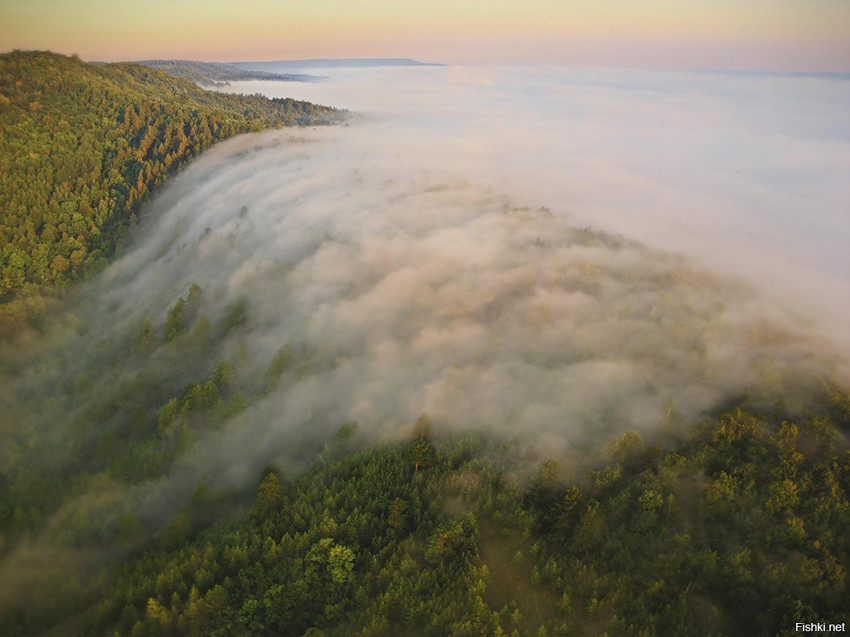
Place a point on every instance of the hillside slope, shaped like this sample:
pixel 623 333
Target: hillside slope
pixel 82 144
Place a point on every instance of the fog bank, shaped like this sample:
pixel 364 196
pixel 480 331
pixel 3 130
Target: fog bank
pixel 404 286
pixel 743 173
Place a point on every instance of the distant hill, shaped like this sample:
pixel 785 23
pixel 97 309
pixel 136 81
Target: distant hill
pixel 297 65
pixel 83 144
pixel 220 74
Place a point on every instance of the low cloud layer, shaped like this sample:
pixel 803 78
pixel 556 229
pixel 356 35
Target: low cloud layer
pixel 550 257
pixel 743 173
pixel 408 289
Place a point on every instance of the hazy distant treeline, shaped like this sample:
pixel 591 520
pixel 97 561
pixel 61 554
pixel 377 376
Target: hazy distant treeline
pixel 217 74
pixel 83 144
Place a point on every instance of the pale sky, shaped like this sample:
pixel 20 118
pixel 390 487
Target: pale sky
pixel 789 35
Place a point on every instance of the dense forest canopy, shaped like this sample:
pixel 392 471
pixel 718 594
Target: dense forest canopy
pixel 740 529
pixel 83 144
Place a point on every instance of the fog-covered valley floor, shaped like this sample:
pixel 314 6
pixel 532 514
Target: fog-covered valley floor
pixel 409 287
pixel 466 247
pixel 745 173
pixel 535 252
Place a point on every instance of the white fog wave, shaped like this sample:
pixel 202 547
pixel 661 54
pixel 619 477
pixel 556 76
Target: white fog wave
pixel 412 271
pixel 743 173
pixel 548 256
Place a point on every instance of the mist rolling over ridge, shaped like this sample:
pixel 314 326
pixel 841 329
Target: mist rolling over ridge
pixel 742 173
pixel 465 249
pixel 550 256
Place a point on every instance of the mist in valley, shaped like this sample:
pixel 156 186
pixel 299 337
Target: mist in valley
pixel 742 173
pixel 551 257
pixel 531 252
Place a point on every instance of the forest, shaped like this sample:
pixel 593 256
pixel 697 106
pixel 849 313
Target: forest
pixel 737 529
pixel 84 144
pixel 113 520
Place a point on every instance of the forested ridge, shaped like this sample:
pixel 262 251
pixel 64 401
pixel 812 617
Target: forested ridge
pixel 83 144
pixel 213 73
pixel 741 528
